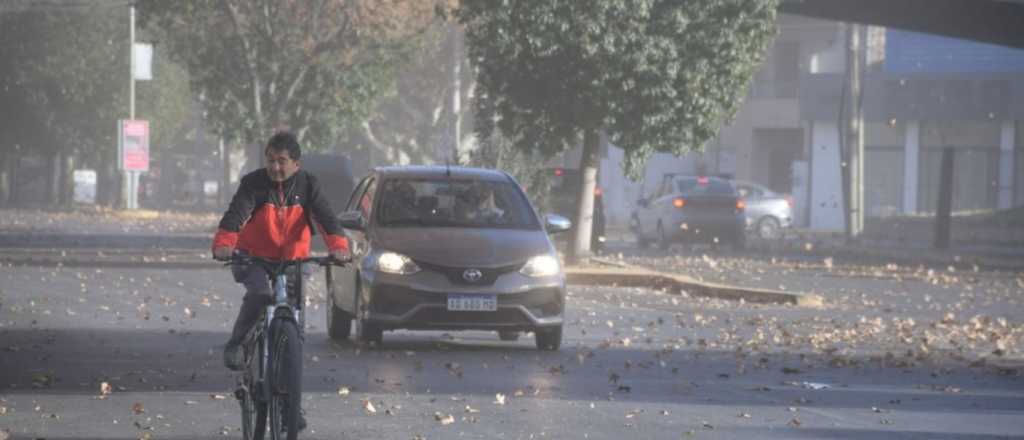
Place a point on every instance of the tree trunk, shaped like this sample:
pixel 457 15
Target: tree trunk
pixel 225 181
pixel 580 249
pixel 5 178
pixel 67 180
pixel 53 183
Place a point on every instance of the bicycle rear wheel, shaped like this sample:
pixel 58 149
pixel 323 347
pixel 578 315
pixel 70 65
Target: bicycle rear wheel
pixel 285 379
pixel 254 417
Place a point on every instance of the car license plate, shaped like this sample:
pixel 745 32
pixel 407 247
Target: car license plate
pixel 472 303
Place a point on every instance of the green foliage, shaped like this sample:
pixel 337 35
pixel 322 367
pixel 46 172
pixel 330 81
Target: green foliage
pixel 413 118
pixel 314 67
pixel 68 89
pixel 655 75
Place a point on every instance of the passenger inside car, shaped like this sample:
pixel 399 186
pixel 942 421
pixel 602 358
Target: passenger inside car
pixel 401 202
pixel 476 204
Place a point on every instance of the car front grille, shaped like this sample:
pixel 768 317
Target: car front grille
pixel 455 274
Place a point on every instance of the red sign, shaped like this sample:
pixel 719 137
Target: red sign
pixel 133 145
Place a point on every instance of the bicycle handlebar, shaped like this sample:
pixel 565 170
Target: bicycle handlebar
pixel 248 259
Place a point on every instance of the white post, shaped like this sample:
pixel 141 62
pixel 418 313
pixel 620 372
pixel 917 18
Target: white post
pixel 911 158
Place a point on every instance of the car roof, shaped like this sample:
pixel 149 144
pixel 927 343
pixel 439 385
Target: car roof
pixel 755 185
pixel 440 171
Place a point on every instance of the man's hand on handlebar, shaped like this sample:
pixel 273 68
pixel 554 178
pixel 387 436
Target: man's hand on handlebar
pixel 223 253
pixel 342 256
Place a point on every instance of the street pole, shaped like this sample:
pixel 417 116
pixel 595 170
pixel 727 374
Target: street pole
pixel 855 135
pixel 130 179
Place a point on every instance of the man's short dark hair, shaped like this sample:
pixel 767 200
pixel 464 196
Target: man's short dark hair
pixel 285 141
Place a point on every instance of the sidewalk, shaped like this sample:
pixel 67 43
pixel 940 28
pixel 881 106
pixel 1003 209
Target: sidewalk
pixel 802 243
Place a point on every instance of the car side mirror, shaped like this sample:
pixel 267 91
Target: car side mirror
pixel 554 223
pixel 352 220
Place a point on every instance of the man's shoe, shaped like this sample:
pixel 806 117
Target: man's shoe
pixel 233 357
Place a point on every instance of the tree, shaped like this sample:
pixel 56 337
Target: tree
pixel 413 119
pixel 313 66
pixel 654 75
pixel 66 91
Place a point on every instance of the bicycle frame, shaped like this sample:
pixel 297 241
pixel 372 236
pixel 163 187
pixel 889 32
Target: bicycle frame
pixel 281 309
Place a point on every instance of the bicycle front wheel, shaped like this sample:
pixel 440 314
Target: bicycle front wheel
pixel 285 379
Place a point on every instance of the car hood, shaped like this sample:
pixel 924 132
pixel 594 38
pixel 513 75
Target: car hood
pixel 464 247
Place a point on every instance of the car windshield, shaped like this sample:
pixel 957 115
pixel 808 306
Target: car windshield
pixel 704 186
pixel 454 203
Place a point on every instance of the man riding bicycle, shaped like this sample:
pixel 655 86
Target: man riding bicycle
pixel 270 216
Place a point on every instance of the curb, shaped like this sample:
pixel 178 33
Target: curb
pixel 631 276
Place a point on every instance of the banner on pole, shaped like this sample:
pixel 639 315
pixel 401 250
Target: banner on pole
pixel 143 61
pixel 133 145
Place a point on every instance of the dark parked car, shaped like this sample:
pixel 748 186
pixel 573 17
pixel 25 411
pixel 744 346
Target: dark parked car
pixel 438 248
pixel 690 209
pixel 563 200
pixel 768 212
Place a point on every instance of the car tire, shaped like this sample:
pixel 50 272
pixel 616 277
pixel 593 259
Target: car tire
pixel 740 242
pixel 506 335
pixel 339 322
pixel 663 241
pixel 366 332
pixel 549 339
pixel 769 228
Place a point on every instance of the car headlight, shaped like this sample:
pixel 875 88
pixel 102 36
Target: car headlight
pixel 540 266
pixel 392 262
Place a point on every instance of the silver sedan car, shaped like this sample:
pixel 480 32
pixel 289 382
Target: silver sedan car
pixel 768 212
pixel 438 248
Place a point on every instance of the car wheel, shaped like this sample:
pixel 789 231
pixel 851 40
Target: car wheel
pixel 663 241
pixel 740 242
pixel 769 228
pixel 508 335
pixel 366 332
pixel 548 338
pixel 339 322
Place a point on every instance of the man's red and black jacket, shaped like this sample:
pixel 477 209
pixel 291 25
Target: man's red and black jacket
pixel 272 220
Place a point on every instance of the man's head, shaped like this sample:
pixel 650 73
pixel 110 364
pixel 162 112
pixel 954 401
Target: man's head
pixel 282 156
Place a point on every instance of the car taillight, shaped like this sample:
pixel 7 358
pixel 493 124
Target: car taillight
pixel 679 202
pixel 741 204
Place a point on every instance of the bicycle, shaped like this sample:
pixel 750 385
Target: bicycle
pixel 270 385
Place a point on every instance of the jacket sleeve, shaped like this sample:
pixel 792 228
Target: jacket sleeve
pixel 237 214
pixel 323 215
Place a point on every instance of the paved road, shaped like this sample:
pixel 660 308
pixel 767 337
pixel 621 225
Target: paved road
pixel 636 363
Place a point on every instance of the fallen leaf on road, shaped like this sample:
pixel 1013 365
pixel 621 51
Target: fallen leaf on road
pixel 471 410
pixel 499 399
pixel 105 389
pixel 454 369
pixel 368 406
pixel 137 408
pixel 795 422
pixel 444 419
